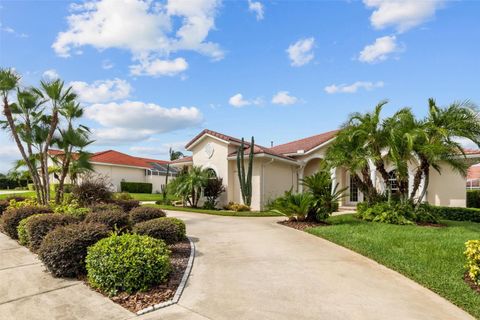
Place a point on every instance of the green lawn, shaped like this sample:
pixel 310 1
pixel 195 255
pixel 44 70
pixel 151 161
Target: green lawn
pixel 146 196
pixel 221 212
pixel 431 256
pixel 20 194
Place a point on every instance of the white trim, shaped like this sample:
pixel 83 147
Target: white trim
pixel 202 137
pixel 119 165
pixel 266 155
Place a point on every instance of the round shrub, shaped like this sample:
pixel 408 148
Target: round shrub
pixel 142 214
pixel 128 262
pixel 23 236
pixel 12 217
pixel 127 205
pixel 170 230
pixel 99 207
pixel 64 249
pixel 3 206
pixel 114 220
pixel 38 226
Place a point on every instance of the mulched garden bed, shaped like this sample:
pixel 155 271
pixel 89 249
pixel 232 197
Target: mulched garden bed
pixel 302 225
pixel 470 282
pixel 162 292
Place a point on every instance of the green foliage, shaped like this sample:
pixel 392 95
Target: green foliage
pixel 237 207
pixel 245 178
pixel 170 230
pixel 458 214
pixel 23 235
pixel 16 203
pixel 99 207
pixel 212 191
pixel 38 226
pixel 64 249
pixel 92 189
pixel 127 205
pixel 67 188
pixel 295 206
pixel 123 196
pixel 31 187
pixel 402 213
pixel 71 208
pixel 136 187
pixel 3 206
pixel 114 220
pixel 12 217
pixel 472 253
pixel 189 185
pixel 127 263
pixel 473 199
pixel 142 214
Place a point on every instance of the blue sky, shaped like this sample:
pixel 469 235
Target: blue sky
pixel 153 74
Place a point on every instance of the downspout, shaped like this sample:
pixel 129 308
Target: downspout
pixel 263 182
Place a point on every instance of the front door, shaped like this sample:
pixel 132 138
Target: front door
pixel 354 194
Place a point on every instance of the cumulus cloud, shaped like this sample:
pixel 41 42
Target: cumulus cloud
pixel 284 98
pixel 101 90
pixel 159 67
pixel 354 87
pixel 135 120
pixel 257 8
pixel 161 151
pixel 401 14
pixel 50 74
pixel 239 101
pixel 148 29
pixel 301 52
pixel 379 50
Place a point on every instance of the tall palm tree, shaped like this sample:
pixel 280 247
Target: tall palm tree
pixel 192 183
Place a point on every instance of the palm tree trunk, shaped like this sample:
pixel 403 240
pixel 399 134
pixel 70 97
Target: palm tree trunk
pixel 48 142
pixel 426 181
pixel 416 182
pixel 380 165
pixel 63 175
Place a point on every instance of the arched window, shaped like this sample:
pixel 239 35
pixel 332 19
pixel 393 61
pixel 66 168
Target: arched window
pixel 392 181
pixel 211 173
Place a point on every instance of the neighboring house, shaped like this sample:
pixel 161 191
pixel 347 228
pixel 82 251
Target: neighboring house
pixel 281 168
pixel 120 167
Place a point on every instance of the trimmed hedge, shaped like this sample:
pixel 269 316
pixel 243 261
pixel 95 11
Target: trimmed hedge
pixel 12 217
pixel 136 187
pixel 458 214
pixel 127 205
pixel 39 226
pixel 128 263
pixel 114 220
pixel 142 214
pixel 472 253
pixel 23 236
pixel 473 198
pixel 64 249
pixel 170 230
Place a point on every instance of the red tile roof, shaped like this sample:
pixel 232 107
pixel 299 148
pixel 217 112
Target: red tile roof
pixel 259 149
pixel 473 172
pixel 471 151
pixel 215 134
pixel 118 158
pixel 304 144
pixel 182 160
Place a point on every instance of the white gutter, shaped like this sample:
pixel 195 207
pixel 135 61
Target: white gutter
pixel 266 155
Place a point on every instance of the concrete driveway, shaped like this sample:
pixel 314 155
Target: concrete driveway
pixel 245 268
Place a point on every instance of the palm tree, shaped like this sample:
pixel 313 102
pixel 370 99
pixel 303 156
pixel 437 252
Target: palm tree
pixel 439 144
pixel 192 183
pixel 295 206
pixel 173 155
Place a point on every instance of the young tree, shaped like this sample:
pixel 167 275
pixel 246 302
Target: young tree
pixel 173 155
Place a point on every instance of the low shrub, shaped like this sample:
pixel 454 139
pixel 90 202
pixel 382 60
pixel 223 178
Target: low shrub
pixel 473 199
pixel 472 253
pixel 123 196
pixel 295 206
pixel 127 205
pixel 458 214
pixel 3 206
pixel 16 198
pixel 142 214
pixel 31 187
pixel 64 249
pixel 128 263
pixel 67 188
pixel 396 213
pixel 23 236
pixel 238 207
pixel 22 202
pixel 99 207
pixel 71 208
pixel 169 230
pixel 114 220
pixel 94 188
pixel 38 226
pixel 136 187
pixel 12 217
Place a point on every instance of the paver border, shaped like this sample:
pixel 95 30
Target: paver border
pixel 180 288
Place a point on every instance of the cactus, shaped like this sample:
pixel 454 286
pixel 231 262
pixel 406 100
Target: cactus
pixel 245 179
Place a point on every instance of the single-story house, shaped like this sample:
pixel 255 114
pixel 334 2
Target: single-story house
pixel 118 167
pixel 282 167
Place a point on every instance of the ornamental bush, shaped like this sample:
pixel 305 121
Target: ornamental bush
pixel 136 187
pixel 3 206
pixel 23 236
pixel 128 262
pixel 142 214
pixel 170 230
pixel 473 260
pixel 38 226
pixel 64 249
pixel 127 205
pixel 458 214
pixel 396 213
pixel 237 207
pixel 94 188
pixel 12 217
pixel 114 220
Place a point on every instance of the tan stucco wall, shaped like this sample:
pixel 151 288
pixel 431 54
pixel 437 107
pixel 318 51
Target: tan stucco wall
pixel 118 174
pixel 447 188
pixel 278 177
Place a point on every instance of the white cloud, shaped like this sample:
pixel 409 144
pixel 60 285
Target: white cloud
pixel 257 8
pixel 354 87
pixel 239 101
pixel 300 53
pixel 159 67
pixel 107 64
pixel 284 98
pixel 8 155
pixel 134 120
pixel 148 29
pixel 12 31
pixel 379 50
pixel 401 14
pixel 50 75
pixel 161 151
pixel 101 90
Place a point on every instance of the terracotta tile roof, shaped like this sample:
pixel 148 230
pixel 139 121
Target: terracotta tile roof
pixel 215 134
pixel 182 160
pixel 473 172
pixel 259 149
pixel 304 144
pixel 471 151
